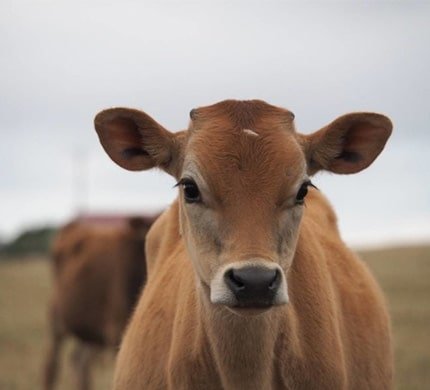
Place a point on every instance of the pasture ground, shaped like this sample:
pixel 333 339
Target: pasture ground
pixel 404 274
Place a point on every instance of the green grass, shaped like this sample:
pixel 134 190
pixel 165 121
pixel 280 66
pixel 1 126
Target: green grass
pixel 403 273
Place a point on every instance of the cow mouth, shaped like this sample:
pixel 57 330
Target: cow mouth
pixel 249 311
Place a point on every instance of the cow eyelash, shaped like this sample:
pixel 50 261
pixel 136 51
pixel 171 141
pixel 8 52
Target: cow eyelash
pixel 303 191
pixel 190 189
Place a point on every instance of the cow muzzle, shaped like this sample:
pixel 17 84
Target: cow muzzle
pixel 250 286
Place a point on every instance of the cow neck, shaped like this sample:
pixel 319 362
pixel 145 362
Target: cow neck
pixel 243 347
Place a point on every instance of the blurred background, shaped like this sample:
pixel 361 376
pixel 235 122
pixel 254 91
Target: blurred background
pixel 63 61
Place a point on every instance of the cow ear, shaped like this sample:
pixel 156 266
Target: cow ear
pixel 135 141
pixel 347 145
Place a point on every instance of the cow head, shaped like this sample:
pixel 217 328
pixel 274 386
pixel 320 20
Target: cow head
pixel 243 173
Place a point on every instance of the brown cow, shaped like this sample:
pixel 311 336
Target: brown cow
pixel 249 283
pixel 99 269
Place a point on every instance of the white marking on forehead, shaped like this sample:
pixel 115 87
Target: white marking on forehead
pixel 251 132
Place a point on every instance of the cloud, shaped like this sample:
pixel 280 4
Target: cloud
pixel 64 61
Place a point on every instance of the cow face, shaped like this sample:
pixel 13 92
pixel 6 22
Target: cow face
pixel 243 174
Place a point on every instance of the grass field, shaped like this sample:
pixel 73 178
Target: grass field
pixel 404 274
pixel 24 292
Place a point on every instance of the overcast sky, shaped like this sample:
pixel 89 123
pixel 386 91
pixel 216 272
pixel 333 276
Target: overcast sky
pixel 63 61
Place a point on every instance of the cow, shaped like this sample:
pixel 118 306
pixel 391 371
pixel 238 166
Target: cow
pixel 99 269
pixel 250 285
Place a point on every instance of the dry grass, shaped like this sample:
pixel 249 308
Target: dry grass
pixel 24 292
pixel 404 274
pixel 24 288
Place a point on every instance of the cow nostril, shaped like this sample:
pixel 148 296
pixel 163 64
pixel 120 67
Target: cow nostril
pixel 235 280
pixel 276 281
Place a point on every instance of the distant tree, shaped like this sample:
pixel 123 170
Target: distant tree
pixel 35 241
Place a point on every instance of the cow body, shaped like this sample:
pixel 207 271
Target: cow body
pixel 334 334
pixel 99 270
pixel 249 283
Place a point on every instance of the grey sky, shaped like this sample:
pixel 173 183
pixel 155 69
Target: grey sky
pixel 63 61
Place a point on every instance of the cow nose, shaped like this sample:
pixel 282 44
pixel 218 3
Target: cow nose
pixel 253 286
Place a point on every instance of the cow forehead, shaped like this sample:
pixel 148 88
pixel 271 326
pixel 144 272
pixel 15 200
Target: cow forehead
pixel 247 151
pixel 231 119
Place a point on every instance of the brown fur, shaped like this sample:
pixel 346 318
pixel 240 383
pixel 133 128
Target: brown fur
pixel 99 270
pixel 333 334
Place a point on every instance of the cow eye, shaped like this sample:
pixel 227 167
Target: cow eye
pixel 303 191
pixel 191 191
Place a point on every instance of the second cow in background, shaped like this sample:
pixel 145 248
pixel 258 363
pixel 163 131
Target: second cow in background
pixel 99 269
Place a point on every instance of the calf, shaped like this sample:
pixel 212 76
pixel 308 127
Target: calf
pixel 99 269
pixel 250 285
